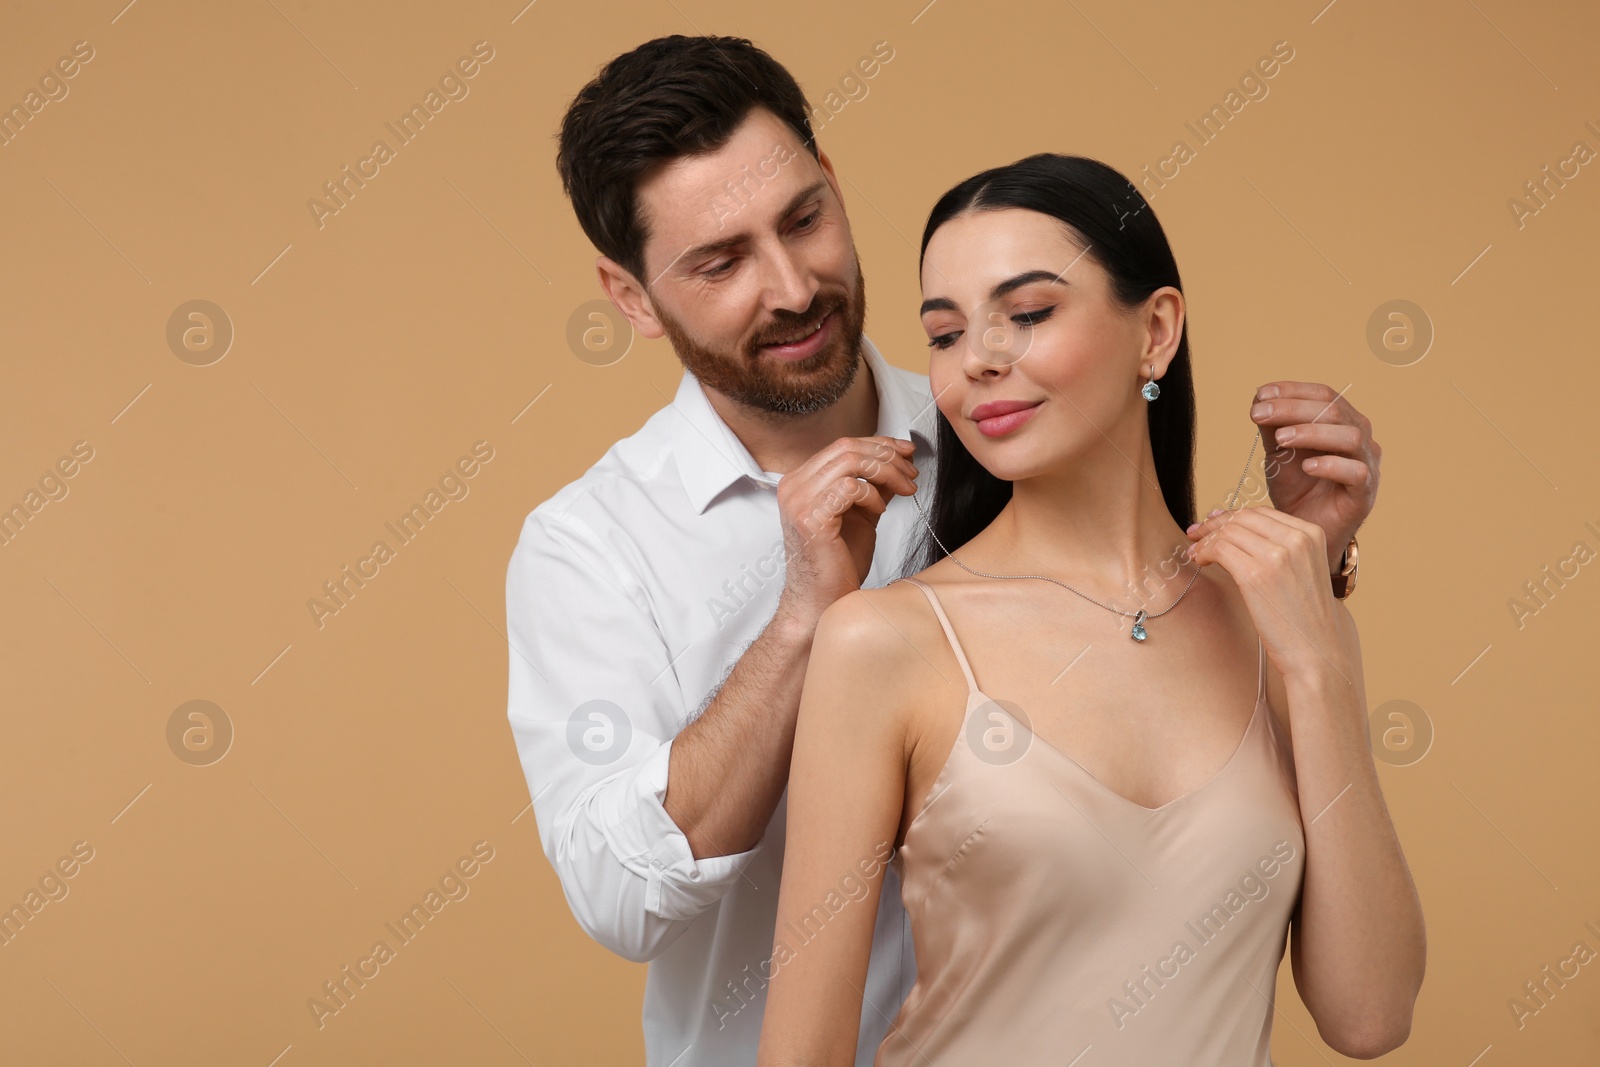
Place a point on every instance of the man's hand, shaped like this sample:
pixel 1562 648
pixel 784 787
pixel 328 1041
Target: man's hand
pixel 830 506
pixel 1321 462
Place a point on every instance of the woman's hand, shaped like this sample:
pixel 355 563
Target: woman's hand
pixel 1358 946
pixel 1280 564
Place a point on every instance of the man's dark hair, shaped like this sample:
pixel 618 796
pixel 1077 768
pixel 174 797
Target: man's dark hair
pixel 670 97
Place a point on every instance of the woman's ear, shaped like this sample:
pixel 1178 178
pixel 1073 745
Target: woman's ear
pixel 1163 320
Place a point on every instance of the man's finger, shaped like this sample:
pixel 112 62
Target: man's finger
pixel 860 458
pixel 1319 437
pixel 1285 390
pixel 1352 472
pixel 1283 412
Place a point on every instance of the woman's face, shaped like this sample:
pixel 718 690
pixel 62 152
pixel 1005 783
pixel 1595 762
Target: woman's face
pixel 1018 316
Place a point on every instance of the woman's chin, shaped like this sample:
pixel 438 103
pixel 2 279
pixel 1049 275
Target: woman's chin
pixel 1011 468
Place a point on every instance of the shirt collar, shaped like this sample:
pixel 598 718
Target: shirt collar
pixel 711 457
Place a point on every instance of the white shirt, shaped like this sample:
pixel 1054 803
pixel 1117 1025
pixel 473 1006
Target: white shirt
pixel 631 594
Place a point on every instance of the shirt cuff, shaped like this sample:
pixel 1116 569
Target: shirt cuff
pixel 646 839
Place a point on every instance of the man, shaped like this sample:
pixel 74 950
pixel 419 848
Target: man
pixel 660 608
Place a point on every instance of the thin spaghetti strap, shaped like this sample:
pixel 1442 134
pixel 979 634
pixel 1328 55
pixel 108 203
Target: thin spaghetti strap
pixel 1261 668
pixel 949 632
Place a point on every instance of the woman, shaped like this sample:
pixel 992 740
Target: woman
pixel 1102 855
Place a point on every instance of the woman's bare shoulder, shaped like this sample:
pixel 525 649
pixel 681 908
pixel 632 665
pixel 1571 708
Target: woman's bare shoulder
pixel 876 622
pixel 879 639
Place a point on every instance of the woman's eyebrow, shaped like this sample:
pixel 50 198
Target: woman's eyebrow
pixel 940 303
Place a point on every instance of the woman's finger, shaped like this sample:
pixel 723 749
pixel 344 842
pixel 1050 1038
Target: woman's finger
pixel 1257 517
pixel 1222 549
pixel 1295 534
pixel 1256 562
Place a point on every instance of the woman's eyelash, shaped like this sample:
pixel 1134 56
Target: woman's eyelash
pixel 1024 319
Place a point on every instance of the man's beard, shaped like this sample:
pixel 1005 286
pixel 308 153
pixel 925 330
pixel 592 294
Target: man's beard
pixel 766 383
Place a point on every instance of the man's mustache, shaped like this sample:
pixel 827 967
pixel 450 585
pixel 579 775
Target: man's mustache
pixel 788 323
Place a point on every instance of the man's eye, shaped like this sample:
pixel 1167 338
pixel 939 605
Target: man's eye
pixel 805 223
pixel 720 269
pixel 944 340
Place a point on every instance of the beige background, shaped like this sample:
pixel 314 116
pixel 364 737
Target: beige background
pixel 431 311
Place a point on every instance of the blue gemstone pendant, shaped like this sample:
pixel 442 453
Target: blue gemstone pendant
pixel 1150 390
pixel 1138 626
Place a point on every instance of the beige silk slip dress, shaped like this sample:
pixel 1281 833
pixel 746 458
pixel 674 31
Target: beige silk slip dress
pixel 1055 921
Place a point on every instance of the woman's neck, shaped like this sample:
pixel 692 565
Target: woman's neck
pixel 1102 527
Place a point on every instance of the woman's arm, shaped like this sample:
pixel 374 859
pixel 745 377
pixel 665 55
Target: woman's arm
pixel 1359 946
pixel 846 790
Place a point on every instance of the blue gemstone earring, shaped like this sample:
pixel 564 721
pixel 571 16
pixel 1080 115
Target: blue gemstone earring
pixel 1150 390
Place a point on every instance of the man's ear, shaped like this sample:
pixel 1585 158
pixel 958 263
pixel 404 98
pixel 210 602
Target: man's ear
pixel 629 294
pixel 827 172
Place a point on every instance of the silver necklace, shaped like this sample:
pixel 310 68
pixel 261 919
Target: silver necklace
pixel 1138 632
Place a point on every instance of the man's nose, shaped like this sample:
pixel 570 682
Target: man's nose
pixel 788 285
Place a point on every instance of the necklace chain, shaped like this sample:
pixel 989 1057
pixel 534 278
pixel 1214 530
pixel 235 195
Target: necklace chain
pixel 1139 617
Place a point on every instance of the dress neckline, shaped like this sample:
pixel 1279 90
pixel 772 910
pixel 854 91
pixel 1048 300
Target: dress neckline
pixel 1255 713
pixel 975 696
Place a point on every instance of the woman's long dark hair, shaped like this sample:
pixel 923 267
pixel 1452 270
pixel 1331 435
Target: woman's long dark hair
pixel 1105 210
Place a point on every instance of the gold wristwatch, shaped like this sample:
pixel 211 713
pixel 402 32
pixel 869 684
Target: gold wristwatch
pixel 1344 582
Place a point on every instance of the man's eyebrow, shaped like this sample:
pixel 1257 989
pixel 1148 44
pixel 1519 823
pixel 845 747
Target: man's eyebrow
pixel 711 248
pixel 940 303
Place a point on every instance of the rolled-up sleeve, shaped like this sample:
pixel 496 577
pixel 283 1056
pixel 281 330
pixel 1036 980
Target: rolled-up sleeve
pixel 594 707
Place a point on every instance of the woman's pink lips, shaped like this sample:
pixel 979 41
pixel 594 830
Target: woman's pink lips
pixel 1004 424
pixel 808 347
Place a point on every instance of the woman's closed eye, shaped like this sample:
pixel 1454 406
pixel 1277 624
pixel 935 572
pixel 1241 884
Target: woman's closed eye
pixel 1023 319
